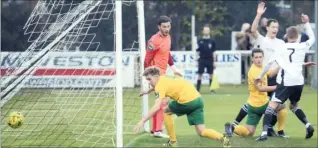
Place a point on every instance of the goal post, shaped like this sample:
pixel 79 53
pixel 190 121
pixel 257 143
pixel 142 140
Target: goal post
pixel 142 47
pixel 75 84
pixel 314 82
pixel 119 86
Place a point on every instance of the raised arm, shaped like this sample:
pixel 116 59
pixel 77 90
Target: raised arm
pixel 309 31
pixel 260 11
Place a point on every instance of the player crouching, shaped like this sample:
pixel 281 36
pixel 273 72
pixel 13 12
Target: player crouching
pixel 186 101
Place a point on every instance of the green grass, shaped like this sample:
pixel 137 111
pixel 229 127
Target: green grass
pixel 84 118
pixel 67 118
pixel 223 107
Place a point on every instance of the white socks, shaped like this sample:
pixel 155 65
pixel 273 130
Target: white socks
pixel 264 133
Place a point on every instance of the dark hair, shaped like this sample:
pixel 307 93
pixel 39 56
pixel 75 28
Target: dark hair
pixel 163 19
pixel 257 50
pixel 270 21
pixel 292 32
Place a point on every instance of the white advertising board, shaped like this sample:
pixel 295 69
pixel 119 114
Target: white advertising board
pixel 228 66
pixel 72 69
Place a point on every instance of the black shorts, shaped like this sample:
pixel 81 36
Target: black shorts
pixel 205 63
pixel 282 93
pixel 271 81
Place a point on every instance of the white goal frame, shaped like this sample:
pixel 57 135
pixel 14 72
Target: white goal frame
pixel 142 50
pixel 119 86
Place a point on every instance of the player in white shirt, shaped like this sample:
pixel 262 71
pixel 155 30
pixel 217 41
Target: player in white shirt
pixel 290 57
pixel 267 44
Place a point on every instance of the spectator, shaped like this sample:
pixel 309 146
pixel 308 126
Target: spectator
pixel 262 30
pixel 243 38
pixel 244 42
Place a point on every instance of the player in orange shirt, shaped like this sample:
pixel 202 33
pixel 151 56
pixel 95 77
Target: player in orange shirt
pixel 158 54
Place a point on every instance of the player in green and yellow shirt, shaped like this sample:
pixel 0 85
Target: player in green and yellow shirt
pixel 257 100
pixel 186 100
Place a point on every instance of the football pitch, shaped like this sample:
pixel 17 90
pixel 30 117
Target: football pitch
pixel 223 107
pixel 82 120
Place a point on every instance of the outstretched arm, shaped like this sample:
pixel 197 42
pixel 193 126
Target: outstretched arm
pixel 273 71
pixel 309 64
pixel 146 92
pixel 151 113
pixel 161 90
pixel 266 68
pixel 258 82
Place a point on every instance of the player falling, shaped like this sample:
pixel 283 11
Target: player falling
pixel 186 101
pixel 158 54
pixel 290 57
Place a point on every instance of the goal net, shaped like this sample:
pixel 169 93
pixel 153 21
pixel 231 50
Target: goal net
pixel 64 83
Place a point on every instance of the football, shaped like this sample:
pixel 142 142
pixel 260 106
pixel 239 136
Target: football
pixel 15 120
